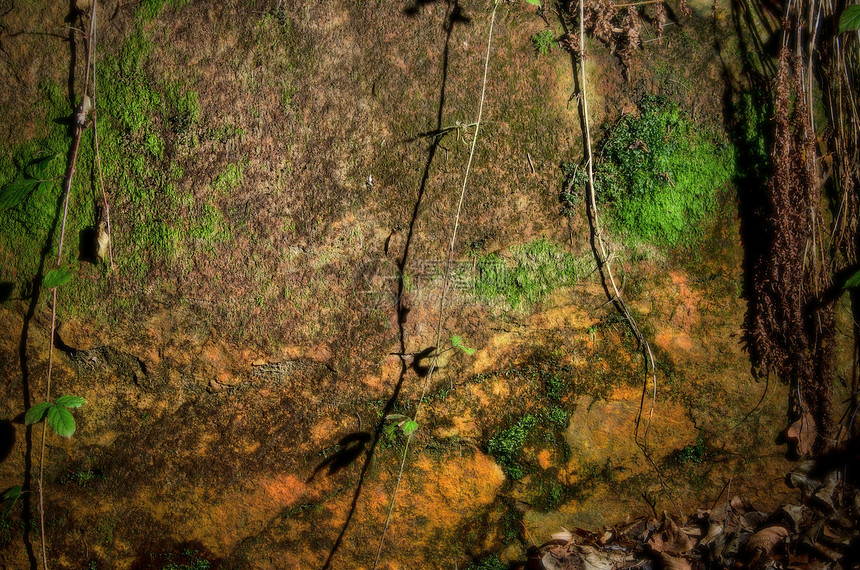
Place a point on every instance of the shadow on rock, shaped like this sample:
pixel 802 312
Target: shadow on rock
pixel 351 448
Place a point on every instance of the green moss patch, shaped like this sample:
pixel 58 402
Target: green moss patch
pixel 533 271
pixel 658 174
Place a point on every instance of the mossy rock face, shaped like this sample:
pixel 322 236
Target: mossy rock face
pixel 266 289
pixel 659 173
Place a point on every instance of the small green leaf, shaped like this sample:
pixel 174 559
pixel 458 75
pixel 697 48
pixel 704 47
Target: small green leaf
pixel 853 281
pixel 535 2
pixel 409 427
pixel 12 494
pixel 16 192
pixel 457 342
pixel 61 421
pixel 850 19
pixel 389 430
pixel 71 401
pixel 35 414
pixel 42 169
pixel 57 277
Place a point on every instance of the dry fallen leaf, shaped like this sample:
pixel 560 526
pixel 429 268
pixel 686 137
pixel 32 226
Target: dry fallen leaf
pixel 561 559
pixel 741 505
pixel 801 478
pixel 764 541
pixel 792 514
pixel 602 559
pixel 606 537
pixel 564 535
pixel 802 433
pixel 824 494
pixel 669 562
pixel 670 538
pixel 752 520
pixel 714 531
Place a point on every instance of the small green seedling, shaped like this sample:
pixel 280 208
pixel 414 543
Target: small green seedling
pixel 59 418
pixel 457 342
pixel 405 424
pixel 853 281
pixel 57 277
pixel 12 494
pixel 544 42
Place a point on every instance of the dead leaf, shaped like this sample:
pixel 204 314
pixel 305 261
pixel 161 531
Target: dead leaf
pixel 561 559
pixel 669 562
pixel 606 537
pixel 802 561
pixel 741 505
pixel 752 520
pixel 596 559
pixel 764 541
pixel 801 478
pixel 802 433
pixel 822 550
pixel 670 538
pixel 714 531
pixel 824 494
pixel 792 514
pixel 693 531
pixel 564 535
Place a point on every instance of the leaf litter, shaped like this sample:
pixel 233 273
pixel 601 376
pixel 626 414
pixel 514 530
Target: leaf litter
pixel 820 531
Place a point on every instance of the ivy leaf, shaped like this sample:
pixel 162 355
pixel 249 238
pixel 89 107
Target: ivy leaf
pixel 16 192
pixel 57 277
pixel 853 281
pixel 409 427
pixel 457 342
pixel 850 19
pixel 71 401
pixel 35 414
pixel 61 421
pixel 41 169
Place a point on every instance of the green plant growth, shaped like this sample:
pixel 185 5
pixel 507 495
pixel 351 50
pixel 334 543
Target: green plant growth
pixel 457 342
pixel 752 114
pixel 137 116
pixel 558 416
pixel 490 562
pixel 10 497
pixel 506 446
pixel 543 42
pixel 8 500
pixel 190 560
pixel 57 414
pixel 550 496
pixel 852 282
pixel 229 179
pixel 82 478
pixel 533 271
pixel 554 386
pixel 399 423
pixel 694 453
pixel 658 173
pixel 849 21
pixel 40 170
